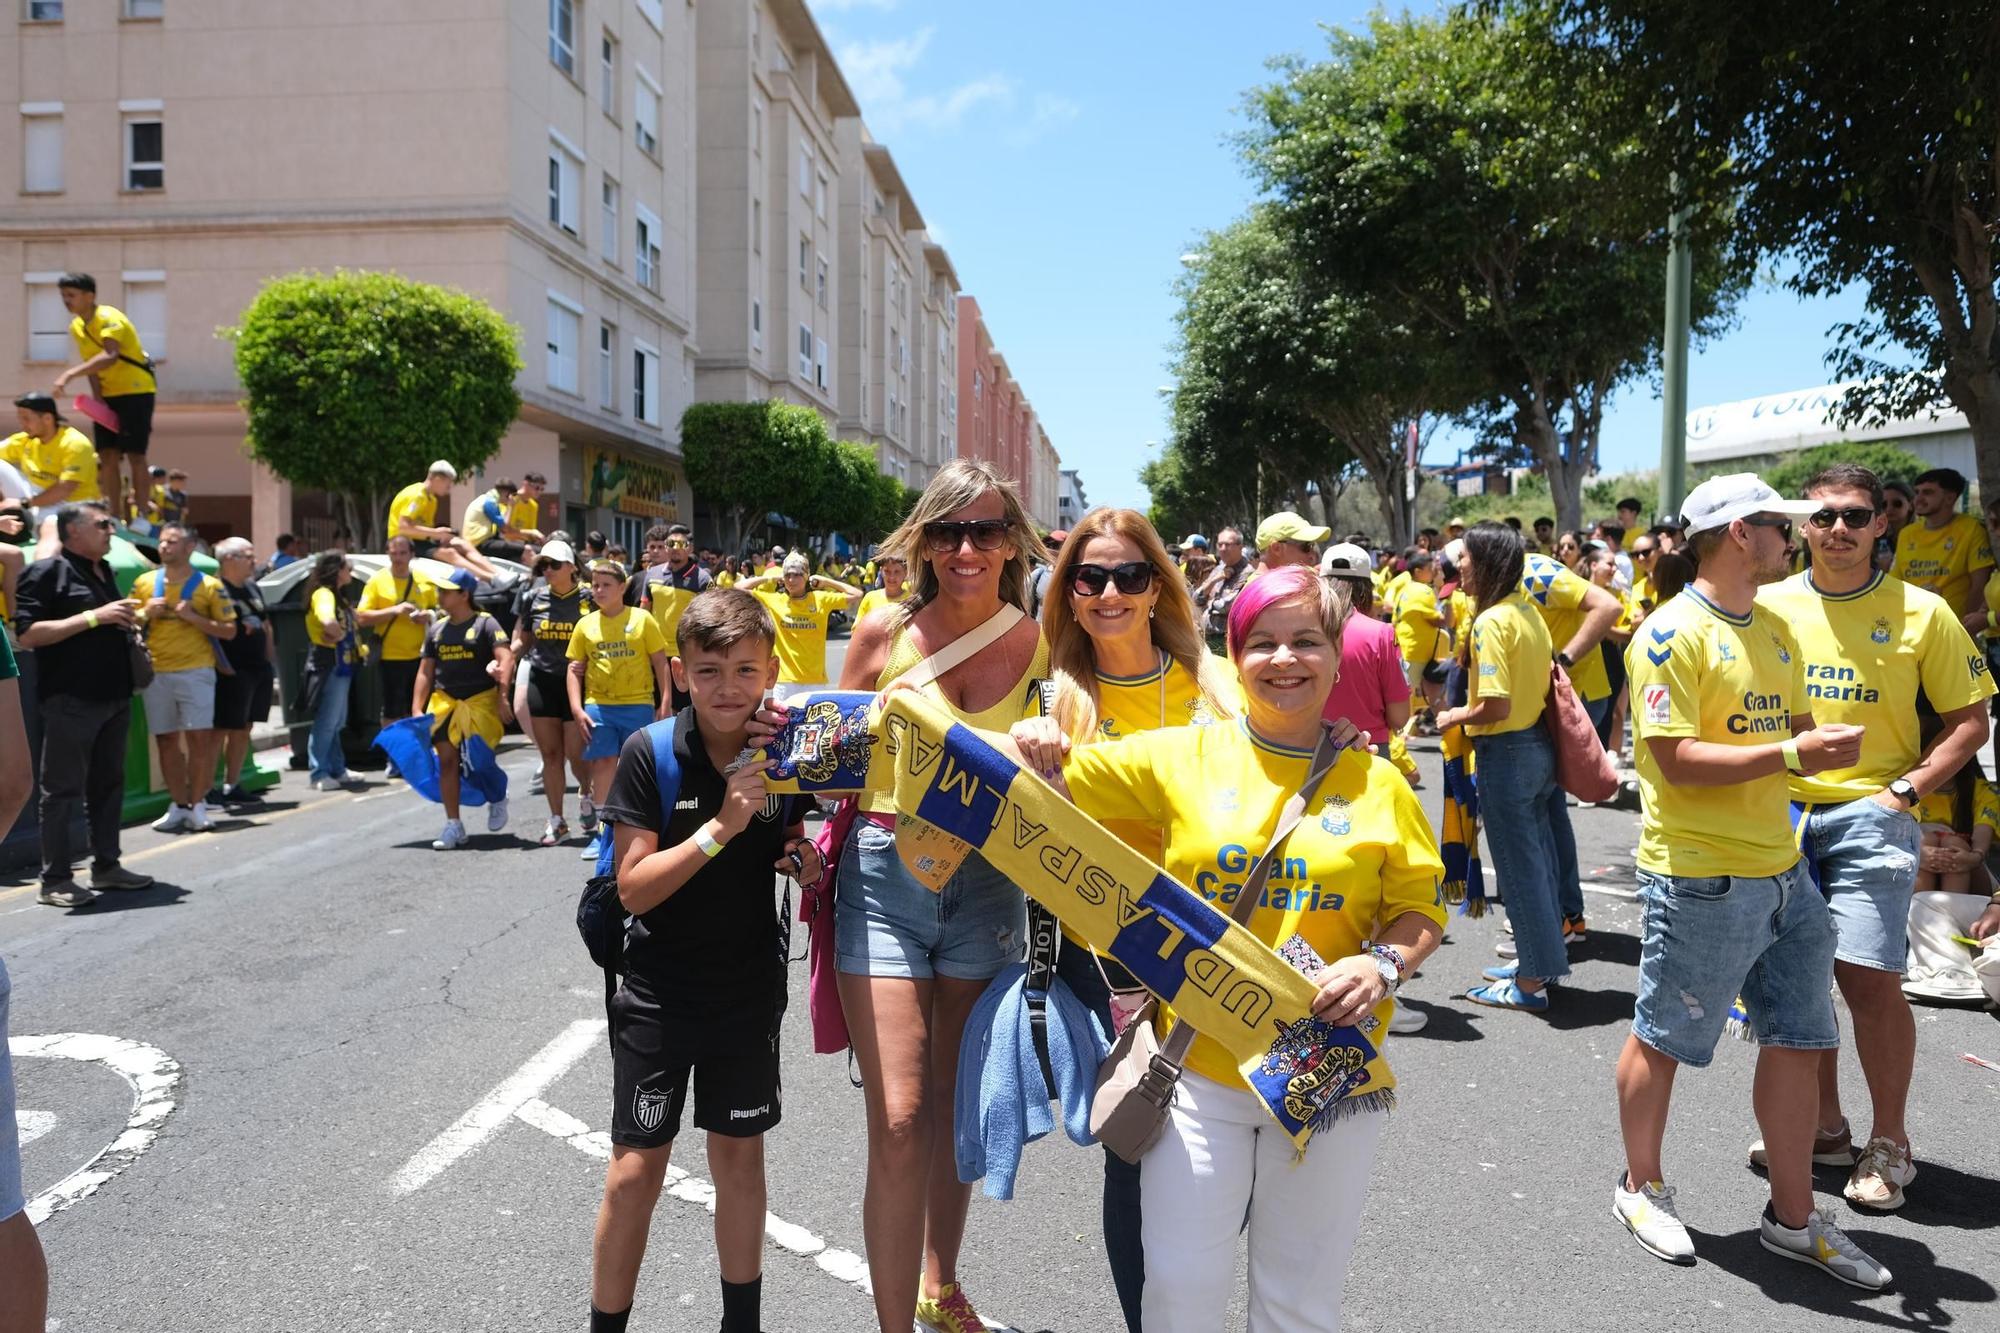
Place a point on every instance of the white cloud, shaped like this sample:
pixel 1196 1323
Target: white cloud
pixel 1048 111
pixel 880 72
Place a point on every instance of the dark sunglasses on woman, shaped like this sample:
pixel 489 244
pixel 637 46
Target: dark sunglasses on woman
pixel 988 534
pixel 1132 578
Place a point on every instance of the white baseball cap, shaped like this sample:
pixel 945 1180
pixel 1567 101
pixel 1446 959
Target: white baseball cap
pixel 1720 501
pixel 442 468
pixel 1345 560
pixel 555 553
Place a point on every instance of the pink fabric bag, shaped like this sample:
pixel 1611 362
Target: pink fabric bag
pixel 829 1020
pixel 1583 769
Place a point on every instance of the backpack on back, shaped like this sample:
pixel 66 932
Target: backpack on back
pixel 600 916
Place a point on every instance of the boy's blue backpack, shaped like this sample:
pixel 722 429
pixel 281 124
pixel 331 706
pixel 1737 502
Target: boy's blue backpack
pixel 600 917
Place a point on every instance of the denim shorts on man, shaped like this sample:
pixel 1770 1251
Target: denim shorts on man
pixel 887 923
pixel 1865 859
pixel 611 724
pixel 1707 940
pixel 180 701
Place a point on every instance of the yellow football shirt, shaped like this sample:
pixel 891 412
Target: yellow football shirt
pixel 1511 657
pixel 1867 653
pixel 1363 855
pixel 875 599
pixel 618 653
pixel 669 602
pixel 1940 806
pixel 1560 594
pixel 1417 620
pixel 175 644
pixel 1942 560
pixel 1696 670
pixel 802 629
pixel 120 377
pixel 402 638
pixel 68 455
pixel 415 502
pixel 322 606
pixel 527 513
pixel 1642 591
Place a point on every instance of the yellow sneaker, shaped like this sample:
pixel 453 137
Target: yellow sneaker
pixel 948 1312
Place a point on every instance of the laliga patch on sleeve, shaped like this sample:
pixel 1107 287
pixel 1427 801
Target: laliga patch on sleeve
pixel 1656 705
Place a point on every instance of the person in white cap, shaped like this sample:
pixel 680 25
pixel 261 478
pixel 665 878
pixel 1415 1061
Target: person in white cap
pixel 1721 719
pixel 414 513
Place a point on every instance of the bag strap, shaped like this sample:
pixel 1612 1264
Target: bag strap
pixel 1174 1050
pixel 666 768
pixel 978 639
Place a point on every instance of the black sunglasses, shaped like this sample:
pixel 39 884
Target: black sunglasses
pixel 1783 525
pixel 1133 577
pixel 1856 518
pixel 1643 552
pixel 988 534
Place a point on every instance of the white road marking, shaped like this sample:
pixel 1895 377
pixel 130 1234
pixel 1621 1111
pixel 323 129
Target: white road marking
pixel 493 1110
pixel 153 1076
pixel 33 1124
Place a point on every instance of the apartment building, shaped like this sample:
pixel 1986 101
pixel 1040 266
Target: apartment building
pixel 769 99
pixel 538 153
pixel 882 281
pixel 934 435
pixel 1070 502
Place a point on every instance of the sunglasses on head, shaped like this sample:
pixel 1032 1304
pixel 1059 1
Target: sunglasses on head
pixel 1133 577
pixel 988 534
pixel 1855 518
pixel 1783 525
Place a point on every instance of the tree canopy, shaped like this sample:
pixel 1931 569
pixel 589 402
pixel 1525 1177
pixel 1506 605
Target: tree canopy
pixel 355 383
pixel 752 459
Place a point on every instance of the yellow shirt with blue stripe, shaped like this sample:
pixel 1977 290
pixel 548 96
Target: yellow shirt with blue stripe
pixel 1559 593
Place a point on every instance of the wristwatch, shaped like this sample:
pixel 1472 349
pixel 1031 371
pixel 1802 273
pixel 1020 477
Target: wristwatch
pixel 1392 976
pixel 1905 791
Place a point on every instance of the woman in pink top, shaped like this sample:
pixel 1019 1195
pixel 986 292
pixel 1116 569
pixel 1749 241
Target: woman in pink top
pixel 1372 690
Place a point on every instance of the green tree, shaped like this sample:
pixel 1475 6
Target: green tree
pixel 355 383
pixel 1468 177
pixel 1861 140
pixel 748 459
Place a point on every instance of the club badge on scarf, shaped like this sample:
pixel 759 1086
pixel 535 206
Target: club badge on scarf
pixel 954 794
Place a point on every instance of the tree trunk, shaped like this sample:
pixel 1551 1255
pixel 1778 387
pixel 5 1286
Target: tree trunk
pixel 1537 430
pixel 1978 396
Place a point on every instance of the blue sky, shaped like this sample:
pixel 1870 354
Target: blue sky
pixel 1067 154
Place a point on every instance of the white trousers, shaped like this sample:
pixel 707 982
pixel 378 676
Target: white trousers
pixel 1937 961
pixel 1222 1156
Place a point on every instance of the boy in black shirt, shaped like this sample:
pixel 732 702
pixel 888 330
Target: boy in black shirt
pixel 704 990
pixel 465 660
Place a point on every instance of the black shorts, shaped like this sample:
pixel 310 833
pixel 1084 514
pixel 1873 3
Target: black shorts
pixel 502 549
pixel 732 1063
pixel 244 698
pixel 422 546
pixel 548 695
pixel 135 423
pixel 399 686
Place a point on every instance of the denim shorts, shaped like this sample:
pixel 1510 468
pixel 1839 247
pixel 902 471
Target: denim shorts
pixel 1865 859
pixel 1708 940
pixel 11 1199
pixel 887 923
pixel 612 724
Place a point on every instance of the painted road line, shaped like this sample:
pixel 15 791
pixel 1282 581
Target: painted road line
pixel 1628 895
pixel 497 1107
pixel 33 1124
pixel 153 1075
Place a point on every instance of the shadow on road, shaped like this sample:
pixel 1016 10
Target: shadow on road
pixel 1607 946
pixel 1573 1008
pixel 1916 1300
pixel 1447 1024
pixel 162 894
pixel 478 842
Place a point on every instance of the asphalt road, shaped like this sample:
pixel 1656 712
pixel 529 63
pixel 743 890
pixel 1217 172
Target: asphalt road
pixel 388 1086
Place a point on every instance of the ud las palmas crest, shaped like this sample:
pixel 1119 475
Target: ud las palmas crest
pixel 955 794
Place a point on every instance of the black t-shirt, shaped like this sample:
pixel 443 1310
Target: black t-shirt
pixel 551 618
pixel 462 653
pixel 248 650
pixel 94 665
pixel 718 934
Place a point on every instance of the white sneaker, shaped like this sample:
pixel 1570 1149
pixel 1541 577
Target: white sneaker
pixel 452 838
pixel 327 784
pixel 1880 1175
pixel 496 816
pixel 586 815
pixel 1406 1020
pixel 173 821
pixel 198 820
pixel 1505 947
pixel 1650 1216
pixel 1825 1246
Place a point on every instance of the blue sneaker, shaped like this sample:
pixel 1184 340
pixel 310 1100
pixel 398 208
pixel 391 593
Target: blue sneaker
pixel 1504 972
pixel 1507 995
pixel 595 847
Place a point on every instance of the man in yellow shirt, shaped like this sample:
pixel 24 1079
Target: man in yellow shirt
pixel 893 592
pixel 416 513
pixel 398 604
pixel 56 461
pixel 801 609
pixel 1871 644
pixel 618 681
pixel 1942 550
pixel 185 612
pixel 1721 711
pixel 121 374
pixel 500 523
pixel 670 583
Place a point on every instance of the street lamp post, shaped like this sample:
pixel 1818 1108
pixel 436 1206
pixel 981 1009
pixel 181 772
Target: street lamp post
pixel 1673 363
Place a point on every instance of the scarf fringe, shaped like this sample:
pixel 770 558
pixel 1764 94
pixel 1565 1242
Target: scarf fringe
pixel 1383 1099
pixel 1737 1025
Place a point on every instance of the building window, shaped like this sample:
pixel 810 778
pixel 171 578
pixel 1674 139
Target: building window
pixel 819 198
pixel 646 384
pixel 562 35
pixel 608 221
pixel 978 384
pixel 48 322
pixel 805 263
pixel 822 372
pixel 646 251
pixel 45 11
pixel 757 128
pixel 145 9
pixel 607 366
pixel 756 325
pixel 565 185
pixel 607 75
pixel 805 351
pixel 805 171
pixel 646 113
pixel 650 10
pixel 145 154
pixel 41 147
pixel 756 226
pixel 146 307
pixel 821 280
pixel 565 332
